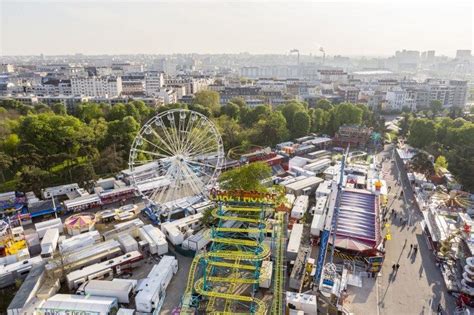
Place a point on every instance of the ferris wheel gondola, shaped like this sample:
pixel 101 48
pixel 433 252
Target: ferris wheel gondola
pixel 177 154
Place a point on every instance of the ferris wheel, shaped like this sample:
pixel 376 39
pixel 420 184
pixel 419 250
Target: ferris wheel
pixel 177 154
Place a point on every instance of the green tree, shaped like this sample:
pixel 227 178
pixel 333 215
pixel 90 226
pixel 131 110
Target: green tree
pixel 270 130
pixel 441 162
pixel 117 112
pixel 5 162
pixel 247 177
pixel 324 104
pixel 250 116
pixel 42 108
pixel 421 163
pixel 436 106
pixel 88 111
pixel 301 125
pixel 422 133
pixel 200 109
pixel 289 110
pixel 51 134
pixel 230 130
pixel 320 120
pixel 231 110
pixel 32 178
pixel 120 134
pixel 239 101
pixel 209 99
pixel 405 124
pixel 59 108
pixel 343 114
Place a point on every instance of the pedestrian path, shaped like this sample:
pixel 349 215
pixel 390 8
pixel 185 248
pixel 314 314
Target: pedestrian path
pixel 417 283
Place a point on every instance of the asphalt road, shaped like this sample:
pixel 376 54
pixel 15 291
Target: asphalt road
pixel 417 287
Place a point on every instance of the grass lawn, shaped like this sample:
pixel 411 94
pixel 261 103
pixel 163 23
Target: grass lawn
pixel 58 168
pixel 9 185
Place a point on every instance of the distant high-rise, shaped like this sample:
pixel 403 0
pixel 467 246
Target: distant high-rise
pixel 463 54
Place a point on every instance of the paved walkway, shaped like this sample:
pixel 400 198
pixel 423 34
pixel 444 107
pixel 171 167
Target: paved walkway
pixel 418 285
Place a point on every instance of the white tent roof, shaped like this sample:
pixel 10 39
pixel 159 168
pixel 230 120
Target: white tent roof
pixel 72 302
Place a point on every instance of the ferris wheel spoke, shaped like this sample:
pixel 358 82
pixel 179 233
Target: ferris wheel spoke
pixel 201 164
pixel 174 133
pixel 152 153
pixel 194 178
pixel 166 177
pixel 156 146
pixel 198 170
pixel 166 148
pixel 203 152
pixel 168 143
pixel 196 135
pixel 203 136
pixel 201 147
pixel 189 181
pixel 189 129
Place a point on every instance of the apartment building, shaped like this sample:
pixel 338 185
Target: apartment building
pixel 106 86
pixel 349 94
pixel 398 98
pixel 154 81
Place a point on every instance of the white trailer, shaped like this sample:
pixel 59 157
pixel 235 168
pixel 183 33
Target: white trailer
pixel 49 243
pixel 265 278
pixel 303 302
pixel 320 206
pixel 42 227
pixel 295 241
pixel 197 241
pixel 158 238
pixel 317 225
pixel 151 291
pixel 104 269
pixel 120 290
pixel 324 189
pixel 300 207
pixel 128 243
pixel 175 231
pixel 79 241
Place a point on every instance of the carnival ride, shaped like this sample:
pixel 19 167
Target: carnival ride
pixel 467 283
pixel 454 199
pixel 80 223
pixel 445 250
pixel 9 243
pixel 224 280
pixel 177 154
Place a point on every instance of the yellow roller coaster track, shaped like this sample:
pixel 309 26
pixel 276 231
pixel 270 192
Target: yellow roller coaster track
pixel 277 305
pixel 235 260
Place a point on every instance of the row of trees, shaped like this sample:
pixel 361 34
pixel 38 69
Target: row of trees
pixel 266 125
pixel 44 145
pixel 452 139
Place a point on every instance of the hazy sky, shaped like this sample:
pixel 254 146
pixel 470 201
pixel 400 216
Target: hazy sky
pixel 369 27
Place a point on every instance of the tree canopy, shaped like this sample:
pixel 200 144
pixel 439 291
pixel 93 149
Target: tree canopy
pixel 247 177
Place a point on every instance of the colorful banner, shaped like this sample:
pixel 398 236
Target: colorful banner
pixel 242 196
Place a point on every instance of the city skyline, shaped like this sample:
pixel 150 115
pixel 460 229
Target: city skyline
pixel 159 27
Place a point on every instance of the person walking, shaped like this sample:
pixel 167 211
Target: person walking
pixel 397 266
pixel 394 267
pixel 439 309
pixel 411 247
pixel 415 248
